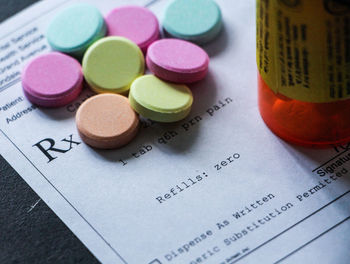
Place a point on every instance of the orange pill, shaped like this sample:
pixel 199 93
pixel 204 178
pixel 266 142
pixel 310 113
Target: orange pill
pixel 107 121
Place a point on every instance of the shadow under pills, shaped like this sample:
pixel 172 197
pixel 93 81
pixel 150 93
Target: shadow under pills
pixel 218 45
pixel 68 111
pixel 169 138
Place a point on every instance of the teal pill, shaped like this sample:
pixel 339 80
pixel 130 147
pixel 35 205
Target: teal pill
pixel 199 21
pixel 74 29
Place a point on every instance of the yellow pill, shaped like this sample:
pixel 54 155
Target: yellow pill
pixel 159 100
pixel 111 64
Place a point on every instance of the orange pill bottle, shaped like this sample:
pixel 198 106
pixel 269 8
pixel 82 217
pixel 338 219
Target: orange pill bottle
pixel 303 58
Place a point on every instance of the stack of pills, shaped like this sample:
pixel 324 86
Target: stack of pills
pixel 113 66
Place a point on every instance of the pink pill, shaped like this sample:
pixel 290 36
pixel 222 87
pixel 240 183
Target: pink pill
pixel 135 23
pixel 52 80
pixel 177 61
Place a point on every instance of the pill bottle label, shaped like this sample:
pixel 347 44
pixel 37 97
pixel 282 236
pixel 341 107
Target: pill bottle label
pixel 303 48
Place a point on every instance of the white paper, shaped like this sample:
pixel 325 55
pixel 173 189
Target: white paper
pixel 162 199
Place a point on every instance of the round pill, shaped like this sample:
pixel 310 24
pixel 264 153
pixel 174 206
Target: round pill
pixel 74 29
pixel 198 21
pixel 52 80
pixel 159 100
pixel 177 61
pixel 111 64
pixel 135 23
pixel 107 121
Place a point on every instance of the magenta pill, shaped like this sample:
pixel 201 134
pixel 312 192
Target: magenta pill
pixel 177 61
pixel 135 23
pixel 52 80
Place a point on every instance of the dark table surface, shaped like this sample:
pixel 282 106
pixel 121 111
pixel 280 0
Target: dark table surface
pixel 11 7
pixel 30 232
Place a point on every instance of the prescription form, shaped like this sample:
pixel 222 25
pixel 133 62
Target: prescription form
pixel 217 187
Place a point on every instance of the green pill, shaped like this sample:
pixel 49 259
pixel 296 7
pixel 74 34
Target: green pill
pixel 159 100
pixel 111 64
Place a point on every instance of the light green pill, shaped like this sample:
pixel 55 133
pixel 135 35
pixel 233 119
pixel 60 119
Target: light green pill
pixel 111 64
pixel 159 100
pixel 199 21
pixel 74 29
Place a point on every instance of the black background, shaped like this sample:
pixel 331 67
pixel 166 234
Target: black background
pixel 11 7
pixel 31 235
